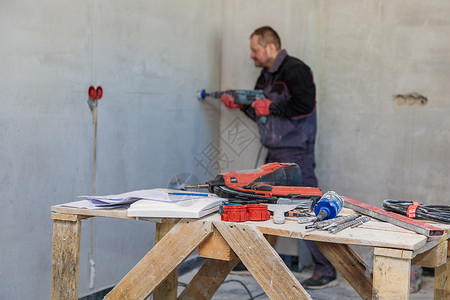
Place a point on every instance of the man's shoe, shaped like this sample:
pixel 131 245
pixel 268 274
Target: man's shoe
pixel 320 282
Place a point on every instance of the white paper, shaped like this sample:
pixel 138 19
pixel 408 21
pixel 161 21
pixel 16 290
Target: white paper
pixel 157 195
pixel 87 204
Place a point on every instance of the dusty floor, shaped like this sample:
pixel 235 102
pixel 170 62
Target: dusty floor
pixel 239 287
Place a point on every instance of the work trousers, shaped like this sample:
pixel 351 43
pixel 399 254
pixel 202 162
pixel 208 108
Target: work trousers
pixel 306 161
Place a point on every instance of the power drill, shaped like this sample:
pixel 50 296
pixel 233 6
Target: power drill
pixel 265 184
pixel 244 97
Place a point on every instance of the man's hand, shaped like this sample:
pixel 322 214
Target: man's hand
pixel 262 107
pixel 228 100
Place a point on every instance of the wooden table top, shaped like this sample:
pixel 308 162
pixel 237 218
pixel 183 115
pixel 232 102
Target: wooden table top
pixel 373 233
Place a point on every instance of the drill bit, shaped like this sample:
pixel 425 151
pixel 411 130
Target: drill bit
pixel 341 221
pixel 353 223
pixel 337 220
pixel 303 220
pixel 196 186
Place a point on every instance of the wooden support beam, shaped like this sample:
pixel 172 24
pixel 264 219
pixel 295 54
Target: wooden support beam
pixel 167 290
pixel 65 259
pixel 161 260
pixel 391 274
pixel 442 280
pixel 262 261
pixel 216 247
pixel 348 264
pixel 208 279
pixel 433 258
pixel 68 217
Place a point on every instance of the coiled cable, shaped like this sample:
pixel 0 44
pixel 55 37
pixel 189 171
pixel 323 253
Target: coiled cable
pixel 436 213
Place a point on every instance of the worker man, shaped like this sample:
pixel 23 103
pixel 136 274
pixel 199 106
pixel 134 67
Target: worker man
pixel 289 133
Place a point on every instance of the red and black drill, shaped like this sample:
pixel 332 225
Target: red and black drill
pixel 266 184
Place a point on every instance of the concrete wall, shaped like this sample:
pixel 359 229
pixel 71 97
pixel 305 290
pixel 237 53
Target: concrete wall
pixel 149 57
pixel 363 54
pixel 370 147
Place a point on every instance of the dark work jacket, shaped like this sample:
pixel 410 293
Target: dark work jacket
pixel 289 84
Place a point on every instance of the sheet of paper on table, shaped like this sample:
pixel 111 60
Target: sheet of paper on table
pixel 196 207
pixel 155 203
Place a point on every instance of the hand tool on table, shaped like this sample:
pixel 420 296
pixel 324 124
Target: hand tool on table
pixel 328 206
pixel 353 223
pixel 341 221
pixel 279 211
pixel 336 221
pixel 265 184
pixel 303 220
pixel 393 218
pixel 244 97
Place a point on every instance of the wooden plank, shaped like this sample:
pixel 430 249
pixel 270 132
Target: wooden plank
pixel 391 276
pixel 66 217
pixel 442 281
pixel 161 260
pixel 168 289
pixel 272 239
pixel 65 259
pixel 216 247
pixel 373 233
pixel 262 261
pixel 433 258
pixel 348 264
pixel 395 253
pixel 113 213
pixel 208 279
pixel 120 212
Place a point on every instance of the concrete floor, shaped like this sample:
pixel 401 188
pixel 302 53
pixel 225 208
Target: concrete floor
pixel 245 287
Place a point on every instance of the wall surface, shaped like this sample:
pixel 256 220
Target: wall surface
pixel 371 145
pixel 149 57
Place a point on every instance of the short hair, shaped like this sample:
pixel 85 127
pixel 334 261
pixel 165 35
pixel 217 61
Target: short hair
pixel 266 36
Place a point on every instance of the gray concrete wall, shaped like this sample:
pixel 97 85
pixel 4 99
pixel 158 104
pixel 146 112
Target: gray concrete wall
pixel 149 57
pixel 369 147
pixel 363 54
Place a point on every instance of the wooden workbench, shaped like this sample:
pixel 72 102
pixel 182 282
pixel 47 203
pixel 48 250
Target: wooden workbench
pixel 224 243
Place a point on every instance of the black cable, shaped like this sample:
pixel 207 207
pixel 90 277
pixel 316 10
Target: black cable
pixel 245 287
pixel 436 213
pixel 259 295
pixel 262 144
pixel 231 280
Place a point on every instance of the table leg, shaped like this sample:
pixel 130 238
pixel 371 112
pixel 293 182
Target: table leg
pixel 391 274
pixel 65 259
pixel 167 290
pixel 442 281
pixel 262 261
pixel 208 279
pixel 348 264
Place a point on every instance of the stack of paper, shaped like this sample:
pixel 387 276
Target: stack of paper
pixel 195 207
pixel 155 203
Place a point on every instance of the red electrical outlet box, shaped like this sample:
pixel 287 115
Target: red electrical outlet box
pixel 242 213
